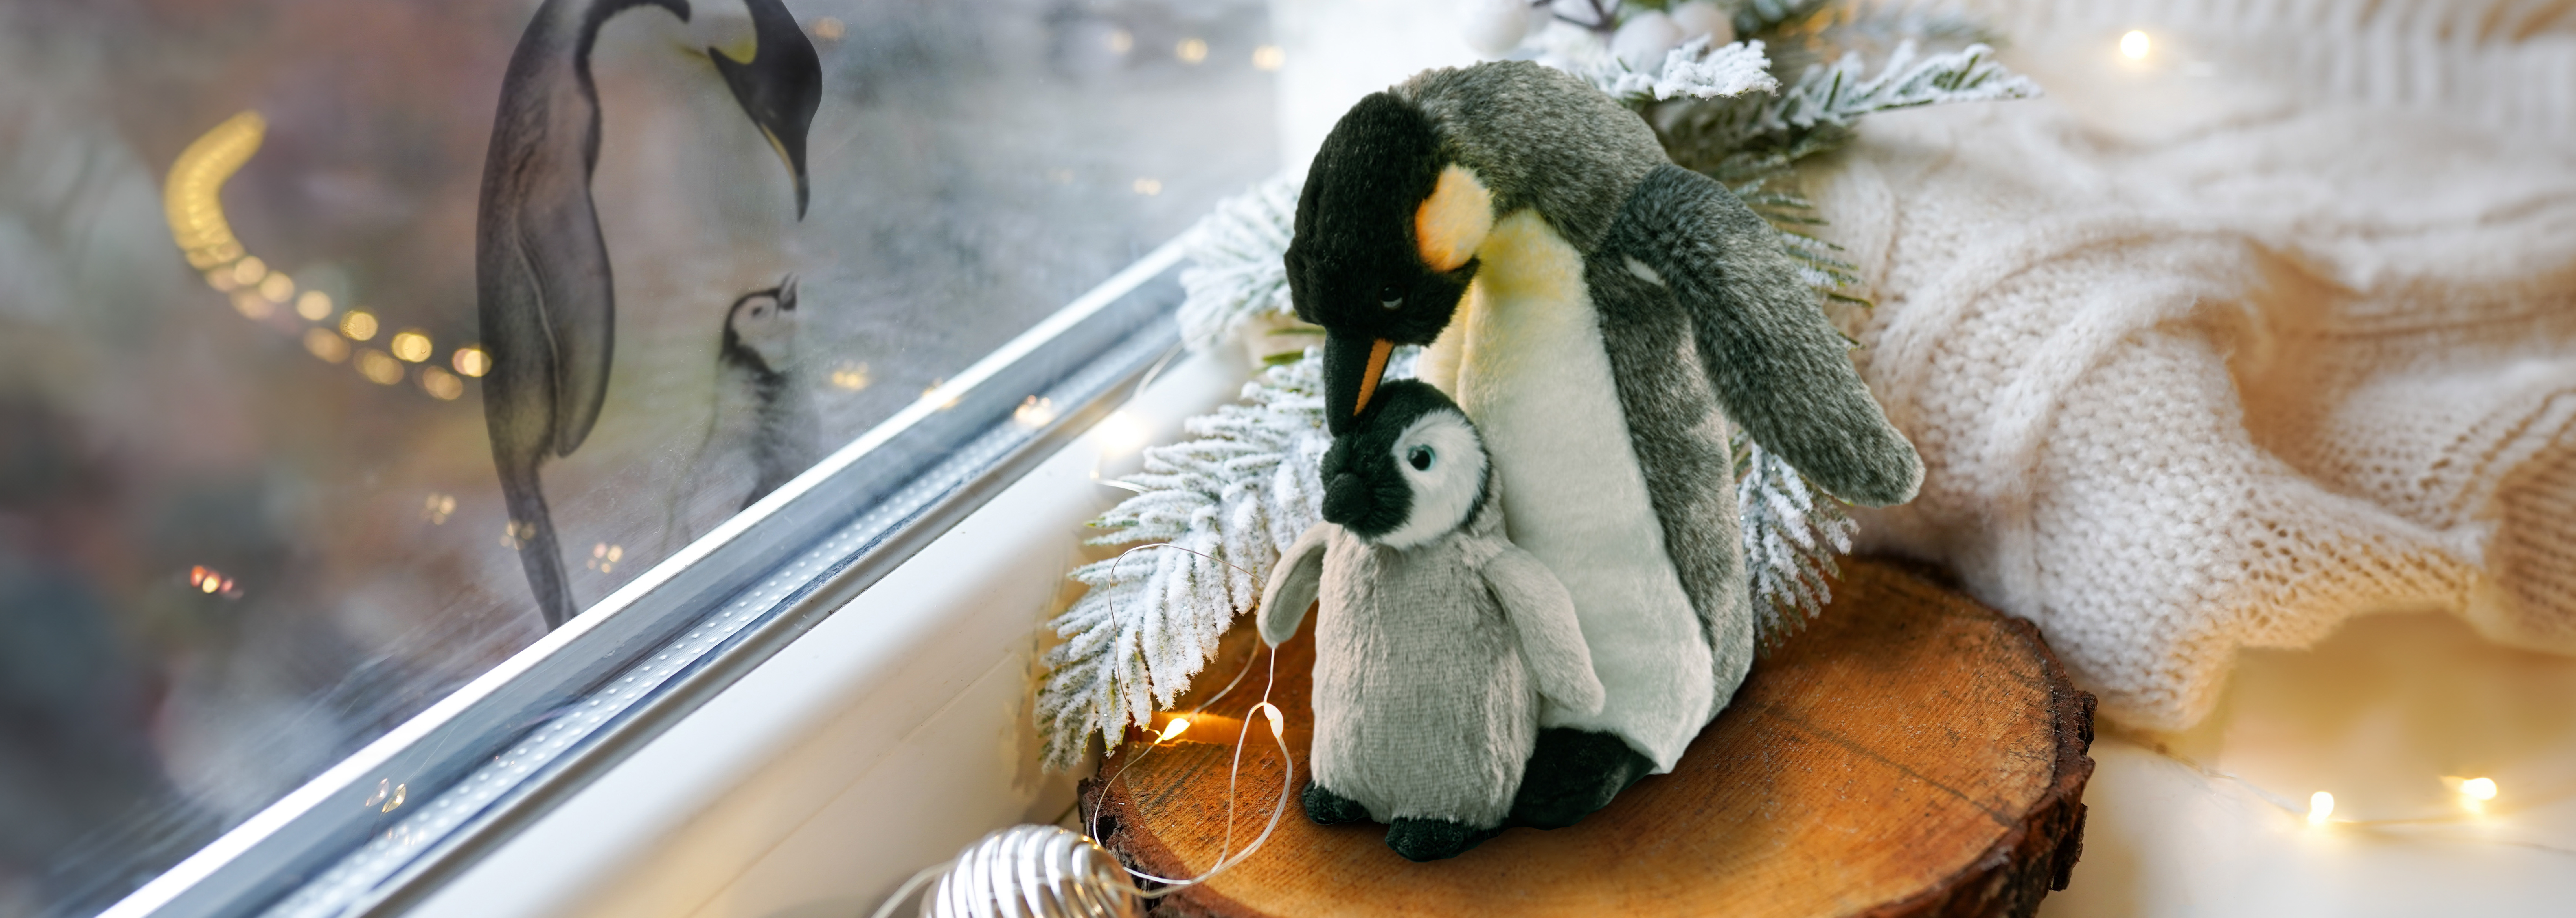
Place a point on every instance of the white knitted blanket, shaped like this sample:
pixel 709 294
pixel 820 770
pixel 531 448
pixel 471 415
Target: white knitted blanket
pixel 2215 349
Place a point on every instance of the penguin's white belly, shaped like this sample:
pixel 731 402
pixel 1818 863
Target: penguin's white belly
pixel 1527 362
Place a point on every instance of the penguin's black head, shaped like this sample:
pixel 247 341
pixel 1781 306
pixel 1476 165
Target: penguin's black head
pixel 1411 470
pixel 780 86
pixel 1386 234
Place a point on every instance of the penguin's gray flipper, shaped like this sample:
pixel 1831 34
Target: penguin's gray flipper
pixel 1778 367
pixel 1294 581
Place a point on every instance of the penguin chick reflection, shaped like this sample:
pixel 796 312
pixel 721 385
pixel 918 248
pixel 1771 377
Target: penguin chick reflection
pixel 763 429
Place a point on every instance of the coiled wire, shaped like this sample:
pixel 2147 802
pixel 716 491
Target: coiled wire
pixel 1029 871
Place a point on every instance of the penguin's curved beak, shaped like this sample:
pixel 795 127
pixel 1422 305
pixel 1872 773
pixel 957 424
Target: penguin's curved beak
pixel 1353 364
pixel 780 86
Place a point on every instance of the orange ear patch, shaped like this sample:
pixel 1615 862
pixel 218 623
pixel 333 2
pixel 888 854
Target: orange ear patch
pixel 1454 220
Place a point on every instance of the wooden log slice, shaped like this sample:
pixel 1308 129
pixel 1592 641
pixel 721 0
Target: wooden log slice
pixel 1911 753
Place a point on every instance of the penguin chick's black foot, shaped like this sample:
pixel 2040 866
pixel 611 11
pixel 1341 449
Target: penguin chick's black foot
pixel 1435 839
pixel 1572 773
pixel 1327 808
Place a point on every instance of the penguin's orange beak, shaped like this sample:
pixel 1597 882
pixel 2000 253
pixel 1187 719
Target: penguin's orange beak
pixel 1353 366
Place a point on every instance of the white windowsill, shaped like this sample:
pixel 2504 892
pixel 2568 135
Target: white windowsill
pixel 882 741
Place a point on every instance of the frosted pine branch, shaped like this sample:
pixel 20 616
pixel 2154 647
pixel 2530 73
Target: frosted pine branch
pixel 1838 95
pixel 1693 71
pixel 1791 534
pixel 1235 273
pixel 1236 494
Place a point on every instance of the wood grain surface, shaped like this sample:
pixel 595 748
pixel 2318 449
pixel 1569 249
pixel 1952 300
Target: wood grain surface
pixel 1912 753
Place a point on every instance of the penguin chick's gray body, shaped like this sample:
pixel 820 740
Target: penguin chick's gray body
pixel 1435 641
pixel 760 407
pixel 1602 315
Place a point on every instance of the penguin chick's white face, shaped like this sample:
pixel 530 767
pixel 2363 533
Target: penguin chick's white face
pixel 762 327
pixel 1444 467
pixel 1413 471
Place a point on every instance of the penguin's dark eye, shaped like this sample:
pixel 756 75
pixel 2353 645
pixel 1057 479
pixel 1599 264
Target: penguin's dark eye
pixel 1390 298
pixel 1419 457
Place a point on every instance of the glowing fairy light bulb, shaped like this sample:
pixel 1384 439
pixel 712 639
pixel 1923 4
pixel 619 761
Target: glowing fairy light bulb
pixel 2134 46
pixel 1175 728
pixel 1278 724
pixel 2320 808
pixel 2478 788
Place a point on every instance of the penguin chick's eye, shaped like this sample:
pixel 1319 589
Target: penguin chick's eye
pixel 1390 298
pixel 1419 457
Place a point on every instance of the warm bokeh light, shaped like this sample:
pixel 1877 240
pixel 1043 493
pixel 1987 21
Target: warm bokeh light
pixel 277 287
pixel 604 557
pixel 471 361
pixel 440 384
pixel 830 29
pixel 1178 726
pixel 1034 413
pixel 252 305
pixel 437 508
pixel 378 367
pixel 851 376
pixel 359 325
pixel 1149 187
pixel 249 271
pixel 1120 42
pixel 192 198
pixel 313 305
pixel 412 345
pixel 1191 50
pixel 2320 808
pixel 330 347
pixel 1269 57
pixel 2134 46
pixel 2478 788
pixel 212 582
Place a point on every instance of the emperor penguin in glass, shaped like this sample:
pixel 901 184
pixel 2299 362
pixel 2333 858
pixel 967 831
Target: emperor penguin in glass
pixel 1603 316
pixel 541 269
pixel 1436 637
pixel 762 428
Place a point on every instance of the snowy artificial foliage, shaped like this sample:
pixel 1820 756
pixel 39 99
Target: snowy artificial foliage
pixel 1226 502
pixel 1236 274
pixel 1840 94
pixel 1694 71
pixel 1791 534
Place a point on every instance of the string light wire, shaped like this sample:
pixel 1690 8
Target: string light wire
pixel 1054 872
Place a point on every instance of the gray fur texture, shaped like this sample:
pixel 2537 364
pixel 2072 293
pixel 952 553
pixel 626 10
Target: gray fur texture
pixel 1680 437
pixel 1539 137
pixel 1429 666
pixel 1776 366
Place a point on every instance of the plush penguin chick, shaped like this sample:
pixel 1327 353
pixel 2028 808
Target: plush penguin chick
pixel 1605 317
pixel 1436 638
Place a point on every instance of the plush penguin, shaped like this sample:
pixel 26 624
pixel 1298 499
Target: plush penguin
pixel 1603 316
pixel 1436 638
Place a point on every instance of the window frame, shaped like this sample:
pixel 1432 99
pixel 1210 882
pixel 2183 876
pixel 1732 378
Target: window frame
pixel 849 521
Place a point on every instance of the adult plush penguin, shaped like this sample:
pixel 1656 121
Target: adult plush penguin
pixel 1603 315
pixel 541 273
